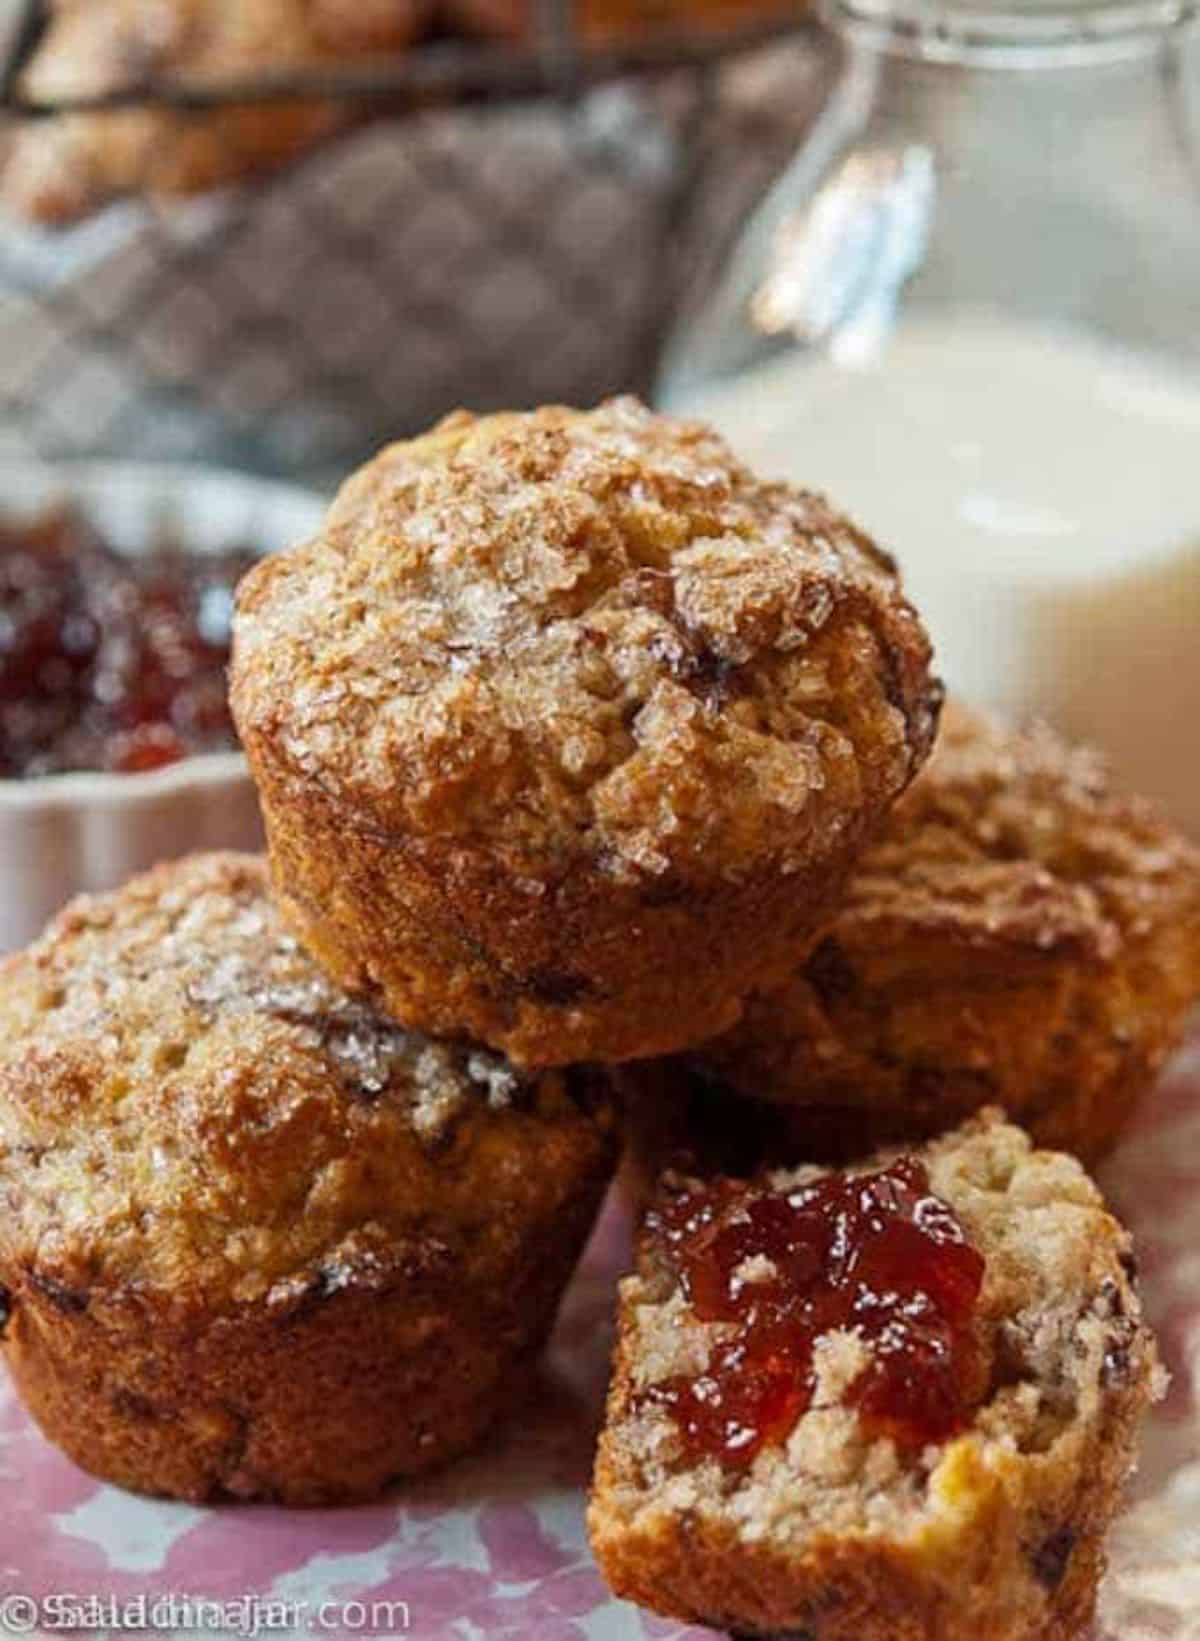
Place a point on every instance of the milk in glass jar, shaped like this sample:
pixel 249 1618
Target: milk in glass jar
pixel 970 312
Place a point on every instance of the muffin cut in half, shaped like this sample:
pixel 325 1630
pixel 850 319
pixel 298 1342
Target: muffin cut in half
pixel 258 1241
pixel 567 729
pixel 897 1404
pixel 1020 935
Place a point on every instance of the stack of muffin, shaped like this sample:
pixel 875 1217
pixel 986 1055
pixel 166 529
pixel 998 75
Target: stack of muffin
pixel 580 747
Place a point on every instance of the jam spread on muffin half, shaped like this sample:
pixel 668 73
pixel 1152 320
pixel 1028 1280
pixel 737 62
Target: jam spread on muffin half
pixel 878 1255
pixel 107 662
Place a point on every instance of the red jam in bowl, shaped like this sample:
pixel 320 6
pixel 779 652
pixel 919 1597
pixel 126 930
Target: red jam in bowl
pixel 110 662
pixel 877 1254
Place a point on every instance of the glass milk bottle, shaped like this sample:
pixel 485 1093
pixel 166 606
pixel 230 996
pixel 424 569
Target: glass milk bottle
pixel 970 311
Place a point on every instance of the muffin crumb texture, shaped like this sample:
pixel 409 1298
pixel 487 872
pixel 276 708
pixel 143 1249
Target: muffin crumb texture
pixel 838 1531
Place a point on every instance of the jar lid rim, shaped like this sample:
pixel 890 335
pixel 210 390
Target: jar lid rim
pixel 1056 33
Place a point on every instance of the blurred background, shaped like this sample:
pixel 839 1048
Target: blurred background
pixel 941 260
pixel 299 229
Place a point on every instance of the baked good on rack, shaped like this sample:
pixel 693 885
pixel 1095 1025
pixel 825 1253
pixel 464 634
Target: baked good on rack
pixel 1021 934
pixel 612 21
pixel 66 165
pixel 893 1405
pixel 567 728
pixel 257 1241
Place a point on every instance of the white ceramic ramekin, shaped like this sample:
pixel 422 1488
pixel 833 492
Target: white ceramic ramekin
pixel 61 834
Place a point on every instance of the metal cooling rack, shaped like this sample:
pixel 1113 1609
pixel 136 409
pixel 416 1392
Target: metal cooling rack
pixel 510 225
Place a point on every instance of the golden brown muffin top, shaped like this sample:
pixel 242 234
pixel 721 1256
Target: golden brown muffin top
pixel 187 1105
pixel 1018 839
pixel 590 633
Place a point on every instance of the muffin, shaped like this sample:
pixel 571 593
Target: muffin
pixel 897 1405
pixel 567 728
pixel 259 1242
pixel 608 22
pixel 1021 935
pixel 66 166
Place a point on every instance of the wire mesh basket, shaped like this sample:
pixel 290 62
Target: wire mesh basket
pixel 495 224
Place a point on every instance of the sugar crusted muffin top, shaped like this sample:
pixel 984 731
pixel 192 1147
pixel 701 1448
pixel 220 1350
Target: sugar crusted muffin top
pixel 588 633
pixel 1019 839
pixel 1020 934
pixel 188 1105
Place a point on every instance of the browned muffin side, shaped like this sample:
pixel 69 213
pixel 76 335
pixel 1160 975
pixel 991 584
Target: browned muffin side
pixel 1021 935
pixel 838 1530
pixel 258 1241
pixel 567 729
pixel 63 167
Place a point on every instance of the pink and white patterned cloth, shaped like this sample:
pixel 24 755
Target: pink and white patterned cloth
pixel 496 1549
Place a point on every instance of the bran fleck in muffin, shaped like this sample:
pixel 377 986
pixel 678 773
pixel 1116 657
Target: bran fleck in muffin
pixel 892 1405
pixel 257 1241
pixel 568 728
